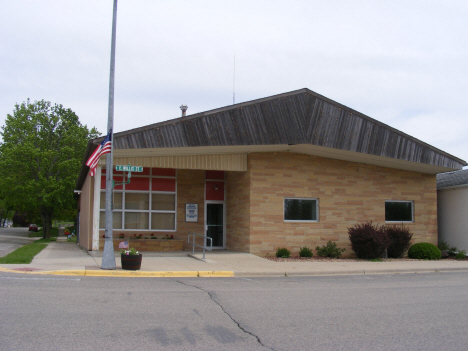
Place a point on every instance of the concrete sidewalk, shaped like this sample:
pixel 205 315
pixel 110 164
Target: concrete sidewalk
pixel 65 258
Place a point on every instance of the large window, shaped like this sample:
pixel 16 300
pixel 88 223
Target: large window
pixel 300 210
pixel 147 203
pixel 399 211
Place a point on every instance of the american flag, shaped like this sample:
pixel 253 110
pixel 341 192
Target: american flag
pixel 103 148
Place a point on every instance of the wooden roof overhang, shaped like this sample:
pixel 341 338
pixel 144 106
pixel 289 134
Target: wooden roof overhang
pixel 301 121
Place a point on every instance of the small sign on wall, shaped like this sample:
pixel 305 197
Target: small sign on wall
pixel 191 212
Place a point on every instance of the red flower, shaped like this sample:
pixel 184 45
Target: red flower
pixel 172 236
pixel 104 236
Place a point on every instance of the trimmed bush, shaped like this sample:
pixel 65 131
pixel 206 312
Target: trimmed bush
pixel 400 240
pixel 329 250
pixel 305 252
pixel 368 241
pixel 424 251
pixel 283 252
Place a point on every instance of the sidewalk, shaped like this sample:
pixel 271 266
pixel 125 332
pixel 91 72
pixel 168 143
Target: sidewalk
pixel 65 258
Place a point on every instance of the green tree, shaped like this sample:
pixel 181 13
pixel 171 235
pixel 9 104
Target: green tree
pixel 40 158
pixel 6 211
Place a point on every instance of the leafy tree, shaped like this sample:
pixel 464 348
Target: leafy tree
pixel 6 211
pixel 40 158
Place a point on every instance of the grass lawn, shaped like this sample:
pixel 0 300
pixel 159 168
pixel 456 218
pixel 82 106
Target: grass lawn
pixel 26 253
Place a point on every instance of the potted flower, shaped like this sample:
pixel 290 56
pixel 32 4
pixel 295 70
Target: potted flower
pixel 121 236
pixel 130 259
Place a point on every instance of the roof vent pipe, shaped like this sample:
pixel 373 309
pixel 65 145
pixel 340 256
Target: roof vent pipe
pixel 184 110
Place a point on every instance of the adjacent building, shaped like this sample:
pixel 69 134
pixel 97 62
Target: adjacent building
pixel 452 207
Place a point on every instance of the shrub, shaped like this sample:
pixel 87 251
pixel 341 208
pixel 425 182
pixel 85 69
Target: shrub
pixel 283 252
pixel 305 252
pixel 424 251
pixel 443 246
pixel 461 255
pixel 368 241
pixel 329 250
pixel 400 240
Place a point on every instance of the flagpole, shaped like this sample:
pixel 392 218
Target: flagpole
pixel 108 257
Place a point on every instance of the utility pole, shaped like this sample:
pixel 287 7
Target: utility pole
pixel 108 257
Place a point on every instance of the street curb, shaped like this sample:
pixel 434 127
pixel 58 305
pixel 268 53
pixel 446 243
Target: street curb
pixel 348 272
pixel 140 274
pixel 160 274
pixel 227 274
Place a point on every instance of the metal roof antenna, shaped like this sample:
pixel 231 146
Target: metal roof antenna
pixel 234 83
pixel 184 110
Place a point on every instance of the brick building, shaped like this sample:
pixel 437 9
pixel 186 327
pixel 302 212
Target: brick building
pixel 291 170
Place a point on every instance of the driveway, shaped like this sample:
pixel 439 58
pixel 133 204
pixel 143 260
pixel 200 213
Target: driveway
pixel 13 238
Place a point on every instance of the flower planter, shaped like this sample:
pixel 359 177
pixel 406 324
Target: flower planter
pixel 148 244
pixel 131 262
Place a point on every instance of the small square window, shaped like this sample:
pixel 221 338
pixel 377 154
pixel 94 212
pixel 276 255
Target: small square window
pixel 302 210
pixel 399 211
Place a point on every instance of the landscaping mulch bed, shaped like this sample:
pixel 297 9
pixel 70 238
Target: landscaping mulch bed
pixel 327 259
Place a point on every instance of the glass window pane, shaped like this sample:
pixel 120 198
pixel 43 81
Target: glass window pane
pixel 117 200
pixel 136 220
pixel 399 211
pixel 300 210
pixel 116 218
pixel 162 202
pixel 163 221
pixel 136 201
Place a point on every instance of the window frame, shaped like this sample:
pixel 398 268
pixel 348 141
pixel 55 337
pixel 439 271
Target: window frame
pixel 400 201
pixel 121 212
pixel 316 200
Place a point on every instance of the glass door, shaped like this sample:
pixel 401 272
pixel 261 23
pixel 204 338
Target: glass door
pixel 215 223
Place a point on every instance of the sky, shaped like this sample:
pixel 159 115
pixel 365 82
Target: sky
pixel 404 63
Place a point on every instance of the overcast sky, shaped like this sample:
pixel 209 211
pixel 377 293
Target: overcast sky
pixel 403 63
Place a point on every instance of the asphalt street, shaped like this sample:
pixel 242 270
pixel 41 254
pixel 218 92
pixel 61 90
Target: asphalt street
pixel 376 312
pixel 13 238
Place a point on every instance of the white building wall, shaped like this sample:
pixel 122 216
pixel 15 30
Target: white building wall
pixel 452 216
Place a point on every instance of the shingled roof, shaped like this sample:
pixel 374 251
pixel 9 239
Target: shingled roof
pixel 452 179
pixel 299 121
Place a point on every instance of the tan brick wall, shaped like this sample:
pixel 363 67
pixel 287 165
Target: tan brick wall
pixel 238 211
pixel 190 189
pixel 348 193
